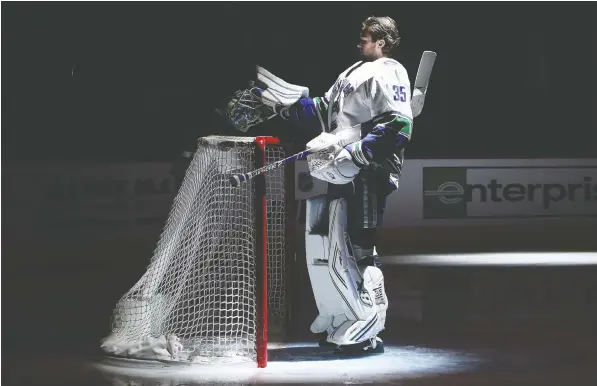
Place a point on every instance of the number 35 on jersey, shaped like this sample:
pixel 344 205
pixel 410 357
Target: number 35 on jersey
pixel 399 93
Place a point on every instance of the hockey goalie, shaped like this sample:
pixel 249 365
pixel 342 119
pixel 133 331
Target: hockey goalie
pixel 371 101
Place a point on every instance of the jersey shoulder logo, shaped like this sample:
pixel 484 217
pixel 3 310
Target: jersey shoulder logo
pixel 344 87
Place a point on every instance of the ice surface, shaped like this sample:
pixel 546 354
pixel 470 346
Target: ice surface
pixel 299 363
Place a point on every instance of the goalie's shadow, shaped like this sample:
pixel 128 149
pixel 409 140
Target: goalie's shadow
pixel 305 354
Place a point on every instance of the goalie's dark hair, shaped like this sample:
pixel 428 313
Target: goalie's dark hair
pixel 384 28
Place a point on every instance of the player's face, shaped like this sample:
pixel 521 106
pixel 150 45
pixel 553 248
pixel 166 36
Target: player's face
pixel 370 50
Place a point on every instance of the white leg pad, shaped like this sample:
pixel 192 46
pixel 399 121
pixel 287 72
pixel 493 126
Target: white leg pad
pixel 351 300
pixel 343 268
pixel 345 331
pixel 361 288
pixel 326 297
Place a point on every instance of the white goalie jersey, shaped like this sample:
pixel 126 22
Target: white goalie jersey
pixel 367 90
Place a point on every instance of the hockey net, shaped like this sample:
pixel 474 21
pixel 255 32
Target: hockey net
pixel 217 280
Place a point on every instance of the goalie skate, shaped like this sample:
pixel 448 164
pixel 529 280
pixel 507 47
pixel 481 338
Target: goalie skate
pixel 368 347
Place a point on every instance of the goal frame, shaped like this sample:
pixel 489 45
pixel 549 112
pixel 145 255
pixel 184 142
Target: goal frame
pixel 263 321
pixel 148 315
pixel 262 335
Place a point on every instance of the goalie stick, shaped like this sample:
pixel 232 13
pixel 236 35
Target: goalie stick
pixel 236 179
pixel 422 82
pixel 417 102
pixel 324 141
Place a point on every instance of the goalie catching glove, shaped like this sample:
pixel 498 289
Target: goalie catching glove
pixel 262 100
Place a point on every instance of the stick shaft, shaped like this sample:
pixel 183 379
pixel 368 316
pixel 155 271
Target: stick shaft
pixel 237 179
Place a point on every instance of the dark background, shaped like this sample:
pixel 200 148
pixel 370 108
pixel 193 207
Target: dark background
pixel 138 81
pixel 120 81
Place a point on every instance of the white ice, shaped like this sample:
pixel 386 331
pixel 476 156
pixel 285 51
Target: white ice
pixel 299 363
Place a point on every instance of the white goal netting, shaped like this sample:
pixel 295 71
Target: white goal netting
pixel 198 299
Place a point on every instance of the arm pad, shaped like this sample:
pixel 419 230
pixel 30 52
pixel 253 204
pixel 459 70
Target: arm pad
pixel 389 135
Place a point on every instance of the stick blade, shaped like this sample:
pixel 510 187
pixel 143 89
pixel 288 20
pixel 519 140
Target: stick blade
pixel 425 68
pixel 422 82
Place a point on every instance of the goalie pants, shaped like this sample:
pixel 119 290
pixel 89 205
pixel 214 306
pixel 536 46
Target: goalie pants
pixel 366 199
pixel 366 206
pixel 340 235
